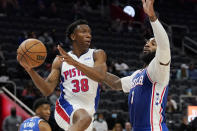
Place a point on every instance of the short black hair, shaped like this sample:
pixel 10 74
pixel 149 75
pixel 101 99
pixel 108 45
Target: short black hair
pixel 70 29
pixel 40 102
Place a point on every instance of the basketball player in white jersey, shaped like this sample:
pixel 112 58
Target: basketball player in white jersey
pixel 79 72
pixel 148 87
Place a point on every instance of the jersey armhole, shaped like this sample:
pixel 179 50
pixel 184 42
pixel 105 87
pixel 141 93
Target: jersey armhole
pixel 40 121
pixel 93 54
pixel 149 76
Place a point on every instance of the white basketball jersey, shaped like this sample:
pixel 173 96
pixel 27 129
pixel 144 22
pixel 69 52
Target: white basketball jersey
pixel 76 88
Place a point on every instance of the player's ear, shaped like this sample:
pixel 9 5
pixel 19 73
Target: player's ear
pixel 72 36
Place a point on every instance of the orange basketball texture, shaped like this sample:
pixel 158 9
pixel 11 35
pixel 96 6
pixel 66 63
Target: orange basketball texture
pixel 32 52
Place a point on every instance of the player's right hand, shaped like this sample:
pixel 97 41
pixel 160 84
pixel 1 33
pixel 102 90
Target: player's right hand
pixel 25 66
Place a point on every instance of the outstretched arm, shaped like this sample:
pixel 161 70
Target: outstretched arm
pixel 113 81
pixel 97 72
pixel 159 67
pixel 45 86
pixel 117 83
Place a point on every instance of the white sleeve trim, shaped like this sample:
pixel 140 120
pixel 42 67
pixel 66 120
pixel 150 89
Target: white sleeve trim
pixel 127 82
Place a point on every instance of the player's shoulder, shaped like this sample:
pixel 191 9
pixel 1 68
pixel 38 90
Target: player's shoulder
pixel 99 52
pixel 44 126
pixel 136 72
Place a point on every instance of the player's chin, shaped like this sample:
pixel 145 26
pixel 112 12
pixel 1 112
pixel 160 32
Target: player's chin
pixel 46 118
pixel 146 52
pixel 86 45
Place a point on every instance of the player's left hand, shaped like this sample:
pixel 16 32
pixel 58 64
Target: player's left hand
pixel 65 57
pixel 148 7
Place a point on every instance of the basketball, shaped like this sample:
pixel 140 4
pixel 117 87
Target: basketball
pixel 32 52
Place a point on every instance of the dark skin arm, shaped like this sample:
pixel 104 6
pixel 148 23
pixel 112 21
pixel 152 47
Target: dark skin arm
pixel 113 81
pixel 45 86
pixel 149 10
pixel 44 126
pixel 96 73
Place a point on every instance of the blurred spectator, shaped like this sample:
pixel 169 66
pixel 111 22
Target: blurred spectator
pixel 110 65
pixel 114 118
pixel 118 127
pixel 3 72
pixel 184 126
pixel 55 96
pixel 100 124
pixel 189 91
pixel 171 106
pixel 130 26
pixel 182 74
pixel 193 124
pixel 128 126
pixel 28 94
pixel 173 72
pixel 12 122
pixel 192 72
pixel 121 67
pixel 46 38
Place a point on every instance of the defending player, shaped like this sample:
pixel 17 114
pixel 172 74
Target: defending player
pixel 80 70
pixel 39 121
pixel 148 87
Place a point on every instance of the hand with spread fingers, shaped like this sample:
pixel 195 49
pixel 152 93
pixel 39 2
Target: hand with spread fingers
pixel 65 57
pixel 149 9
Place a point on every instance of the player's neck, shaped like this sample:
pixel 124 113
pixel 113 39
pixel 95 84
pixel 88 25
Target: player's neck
pixel 78 51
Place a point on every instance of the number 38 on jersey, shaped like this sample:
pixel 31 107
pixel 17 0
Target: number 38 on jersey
pixel 80 85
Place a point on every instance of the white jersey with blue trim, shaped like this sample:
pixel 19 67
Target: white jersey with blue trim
pixel 77 89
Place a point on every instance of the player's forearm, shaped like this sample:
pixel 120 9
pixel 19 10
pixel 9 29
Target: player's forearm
pixel 40 83
pixel 113 81
pixel 92 72
pixel 161 37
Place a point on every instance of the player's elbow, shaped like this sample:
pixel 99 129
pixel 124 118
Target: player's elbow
pixel 47 92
